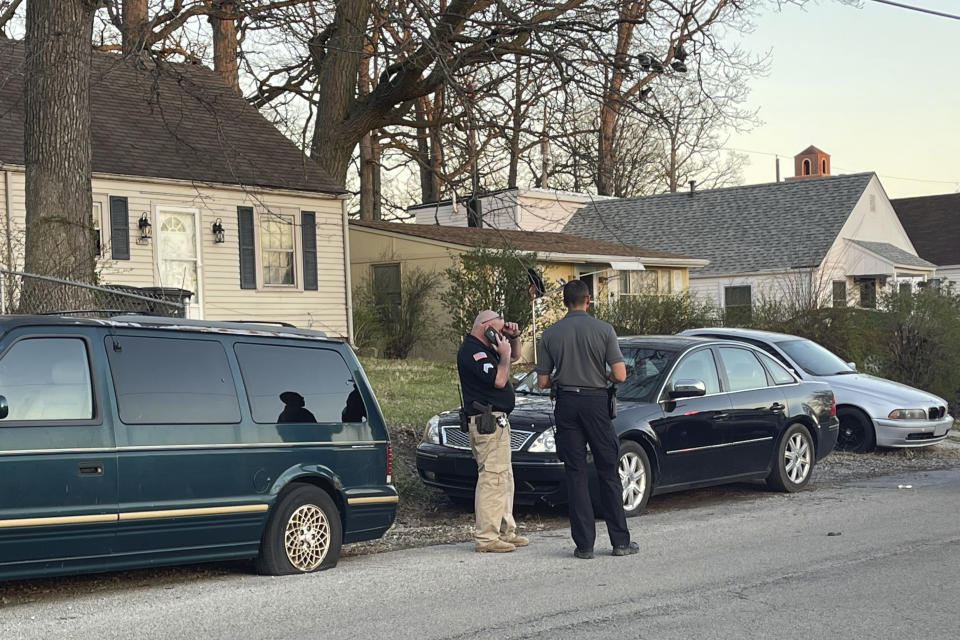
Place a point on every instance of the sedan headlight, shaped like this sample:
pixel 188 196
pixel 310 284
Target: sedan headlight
pixel 908 414
pixel 432 433
pixel 546 442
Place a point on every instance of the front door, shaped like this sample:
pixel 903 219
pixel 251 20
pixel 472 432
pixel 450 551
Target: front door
pixel 58 462
pixel 177 254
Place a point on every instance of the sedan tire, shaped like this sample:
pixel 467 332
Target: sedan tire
pixel 635 477
pixel 794 464
pixel 856 431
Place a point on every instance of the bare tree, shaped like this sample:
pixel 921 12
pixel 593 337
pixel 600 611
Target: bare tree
pixel 57 142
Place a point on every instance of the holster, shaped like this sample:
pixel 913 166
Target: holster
pixel 612 401
pixel 486 422
pixel 464 421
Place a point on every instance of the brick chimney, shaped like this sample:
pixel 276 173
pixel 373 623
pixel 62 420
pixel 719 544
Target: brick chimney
pixel 811 163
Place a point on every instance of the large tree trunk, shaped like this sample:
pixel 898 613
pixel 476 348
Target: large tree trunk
pixel 223 24
pixel 370 177
pixel 337 66
pixel 59 233
pixel 134 30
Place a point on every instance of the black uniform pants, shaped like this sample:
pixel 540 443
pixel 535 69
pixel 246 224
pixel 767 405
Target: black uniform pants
pixel 583 420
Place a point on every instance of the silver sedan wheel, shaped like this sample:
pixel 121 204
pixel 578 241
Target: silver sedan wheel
pixel 797 458
pixel 307 537
pixel 633 478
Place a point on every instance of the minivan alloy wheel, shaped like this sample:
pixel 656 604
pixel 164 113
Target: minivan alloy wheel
pixel 307 537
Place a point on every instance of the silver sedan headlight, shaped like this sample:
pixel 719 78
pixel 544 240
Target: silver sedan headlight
pixel 546 442
pixel 908 414
pixel 432 433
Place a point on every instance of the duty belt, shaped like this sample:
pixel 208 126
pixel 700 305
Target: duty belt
pixel 584 391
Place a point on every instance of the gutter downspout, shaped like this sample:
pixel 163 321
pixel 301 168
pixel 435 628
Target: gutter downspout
pixel 8 258
pixel 346 270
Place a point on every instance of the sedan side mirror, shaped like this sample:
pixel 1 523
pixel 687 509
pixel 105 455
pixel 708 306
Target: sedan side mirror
pixel 4 409
pixel 852 365
pixel 687 388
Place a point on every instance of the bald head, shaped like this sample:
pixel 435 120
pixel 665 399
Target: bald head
pixel 485 317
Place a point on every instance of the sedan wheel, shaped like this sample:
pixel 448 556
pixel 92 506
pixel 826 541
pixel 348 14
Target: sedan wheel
pixel 856 431
pixel 794 460
pixel 635 477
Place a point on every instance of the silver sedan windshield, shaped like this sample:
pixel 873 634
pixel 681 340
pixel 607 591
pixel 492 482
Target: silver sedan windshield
pixel 814 359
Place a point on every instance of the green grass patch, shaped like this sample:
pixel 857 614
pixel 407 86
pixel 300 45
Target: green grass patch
pixel 411 391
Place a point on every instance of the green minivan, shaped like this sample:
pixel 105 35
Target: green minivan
pixel 139 441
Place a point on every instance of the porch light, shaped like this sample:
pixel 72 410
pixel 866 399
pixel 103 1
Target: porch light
pixel 145 229
pixel 218 231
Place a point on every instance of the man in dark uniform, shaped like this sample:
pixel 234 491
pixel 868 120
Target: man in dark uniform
pixel 572 356
pixel 483 363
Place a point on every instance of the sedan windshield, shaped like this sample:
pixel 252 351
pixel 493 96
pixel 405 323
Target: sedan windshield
pixel 646 369
pixel 527 385
pixel 814 359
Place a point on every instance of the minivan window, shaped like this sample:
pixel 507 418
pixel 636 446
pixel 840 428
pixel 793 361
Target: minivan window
pixel 298 384
pixel 743 369
pixel 172 381
pixel 47 379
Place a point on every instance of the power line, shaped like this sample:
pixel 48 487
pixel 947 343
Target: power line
pixel 920 9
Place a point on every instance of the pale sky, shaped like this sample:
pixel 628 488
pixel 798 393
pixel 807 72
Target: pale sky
pixel 876 88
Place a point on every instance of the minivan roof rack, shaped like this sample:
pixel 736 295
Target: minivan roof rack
pixel 186 323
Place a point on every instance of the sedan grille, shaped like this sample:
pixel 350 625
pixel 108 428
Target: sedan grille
pixel 456 439
pixel 935 413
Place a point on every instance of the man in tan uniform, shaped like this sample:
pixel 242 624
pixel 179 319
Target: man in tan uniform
pixel 483 363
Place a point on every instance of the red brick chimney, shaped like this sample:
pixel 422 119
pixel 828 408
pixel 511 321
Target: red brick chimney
pixel 811 163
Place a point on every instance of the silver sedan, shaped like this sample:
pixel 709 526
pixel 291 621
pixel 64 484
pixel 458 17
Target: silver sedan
pixel 872 411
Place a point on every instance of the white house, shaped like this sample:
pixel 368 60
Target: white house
pixel 175 147
pixel 829 239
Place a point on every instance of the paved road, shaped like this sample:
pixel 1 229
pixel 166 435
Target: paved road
pixel 764 566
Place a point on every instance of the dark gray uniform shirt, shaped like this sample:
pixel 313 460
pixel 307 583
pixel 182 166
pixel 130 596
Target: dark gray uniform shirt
pixel 578 347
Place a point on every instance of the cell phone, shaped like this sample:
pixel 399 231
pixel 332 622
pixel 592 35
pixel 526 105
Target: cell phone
pixel 491 335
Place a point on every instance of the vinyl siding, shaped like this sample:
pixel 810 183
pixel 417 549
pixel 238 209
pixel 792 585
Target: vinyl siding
pixel 219 271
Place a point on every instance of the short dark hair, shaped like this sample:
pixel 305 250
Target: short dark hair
pixel 575 293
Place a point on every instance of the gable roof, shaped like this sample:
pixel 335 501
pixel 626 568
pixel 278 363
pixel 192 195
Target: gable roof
pixel 933 224
pixel 762 227
pixel 893 254
pixel 533 241
pixel 168 121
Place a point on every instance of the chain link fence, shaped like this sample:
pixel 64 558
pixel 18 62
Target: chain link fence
pixel 35 294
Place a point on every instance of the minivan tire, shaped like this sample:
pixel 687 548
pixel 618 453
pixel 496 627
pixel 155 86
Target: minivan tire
pixel 304 534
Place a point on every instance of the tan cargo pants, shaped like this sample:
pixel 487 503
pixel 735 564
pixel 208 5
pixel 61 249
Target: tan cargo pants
pixel 494 494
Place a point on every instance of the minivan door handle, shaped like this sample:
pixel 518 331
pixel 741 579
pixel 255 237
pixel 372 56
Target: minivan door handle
pixel 91 468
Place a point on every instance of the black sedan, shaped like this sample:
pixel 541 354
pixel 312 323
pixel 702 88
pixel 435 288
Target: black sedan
pixel 692 412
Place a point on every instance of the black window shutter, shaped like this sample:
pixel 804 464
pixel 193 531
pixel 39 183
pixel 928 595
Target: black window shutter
pixel 248 252
pixel 119 228
pixel 308 238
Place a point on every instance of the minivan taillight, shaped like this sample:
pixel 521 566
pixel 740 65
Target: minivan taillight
pixel 833 406
pixel 389 464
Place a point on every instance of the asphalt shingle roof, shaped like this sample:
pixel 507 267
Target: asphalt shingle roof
pixel 933 224
pixel 538 241
pixel 752 228
pixel 177 121
pixel 896 255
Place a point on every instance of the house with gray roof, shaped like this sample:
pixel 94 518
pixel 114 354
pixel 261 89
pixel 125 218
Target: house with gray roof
pixel 815 239
pixel 193 189
pixel 933 224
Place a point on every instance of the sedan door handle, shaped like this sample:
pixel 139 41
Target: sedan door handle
pixel 776 407
pixel 721 416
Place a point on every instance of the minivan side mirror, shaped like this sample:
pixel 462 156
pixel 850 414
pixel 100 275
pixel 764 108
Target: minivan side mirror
pixel 4 409
pixel 687 388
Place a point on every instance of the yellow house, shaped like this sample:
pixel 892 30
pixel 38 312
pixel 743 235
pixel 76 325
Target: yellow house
pixel 381 251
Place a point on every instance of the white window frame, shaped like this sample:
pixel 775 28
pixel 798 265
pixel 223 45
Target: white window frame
pixel 294 214
pixel 102 202
pixel 195 301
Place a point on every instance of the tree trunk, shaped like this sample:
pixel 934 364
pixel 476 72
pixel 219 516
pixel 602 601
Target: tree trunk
pixel 337 66
pixel 134 30
pixel 223 24
pixel 423 152
pixel 370 177
pixel 57 149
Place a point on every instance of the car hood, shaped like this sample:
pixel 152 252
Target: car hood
pixel 848 387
